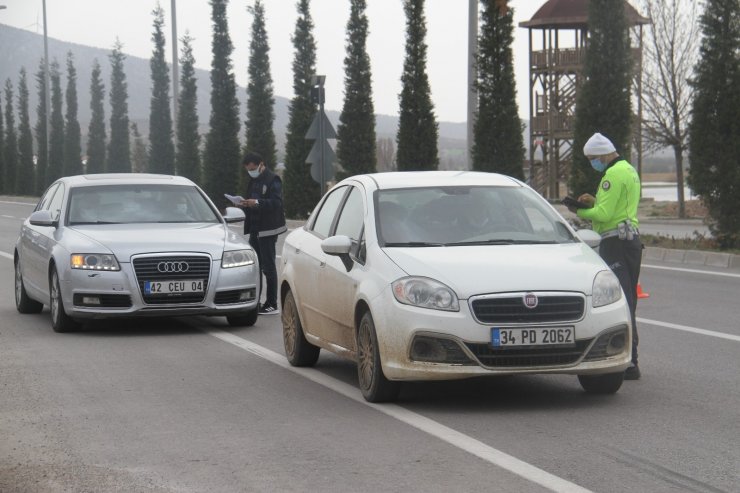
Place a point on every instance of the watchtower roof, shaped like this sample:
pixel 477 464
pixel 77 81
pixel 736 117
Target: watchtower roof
pixel 573 14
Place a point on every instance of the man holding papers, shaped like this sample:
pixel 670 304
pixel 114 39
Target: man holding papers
pixel 265 220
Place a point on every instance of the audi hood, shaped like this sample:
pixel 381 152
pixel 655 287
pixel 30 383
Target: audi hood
pixel 126 240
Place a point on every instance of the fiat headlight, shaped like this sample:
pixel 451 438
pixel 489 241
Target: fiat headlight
pixel 606 289
pixel 237 258
pixel 94 261
pixel 425 293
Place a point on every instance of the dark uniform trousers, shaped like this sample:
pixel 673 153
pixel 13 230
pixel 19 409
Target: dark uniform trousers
pixel 624 258
pixel 265 248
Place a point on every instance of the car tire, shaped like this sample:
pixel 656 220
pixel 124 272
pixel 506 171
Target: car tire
pixel 375 387
pixel 243 320
pixel 60 321
pixel 298 350
pixel 23 303
pixel 608 383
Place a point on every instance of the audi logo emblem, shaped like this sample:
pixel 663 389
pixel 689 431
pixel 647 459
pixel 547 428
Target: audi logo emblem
pixel 173 267
pixel 530 300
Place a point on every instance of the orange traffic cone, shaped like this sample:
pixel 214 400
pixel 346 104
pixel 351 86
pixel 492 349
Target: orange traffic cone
pixel 640 293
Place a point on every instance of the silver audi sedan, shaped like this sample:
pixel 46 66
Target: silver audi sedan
pixel 125 245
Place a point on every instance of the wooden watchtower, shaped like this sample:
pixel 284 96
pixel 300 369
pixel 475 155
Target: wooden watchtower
pixel 558 35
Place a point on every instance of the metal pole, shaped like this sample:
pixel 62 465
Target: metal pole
pixel 47 88
pixel 175 70
pixel 472 75
pixel 322 157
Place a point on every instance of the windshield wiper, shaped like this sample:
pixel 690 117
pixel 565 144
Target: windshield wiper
pixel 82 223
pixel 414 244
pixel 501 242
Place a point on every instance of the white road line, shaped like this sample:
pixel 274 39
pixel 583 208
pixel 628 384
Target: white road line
pixel 694 271
pixel 704 332
pixel 438 430
pixel 18 203
pixel 9 217
pixel 7 255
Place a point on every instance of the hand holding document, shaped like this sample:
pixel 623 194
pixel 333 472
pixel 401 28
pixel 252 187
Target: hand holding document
pixel 235 199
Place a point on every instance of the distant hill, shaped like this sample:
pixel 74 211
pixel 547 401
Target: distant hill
pixel 21 48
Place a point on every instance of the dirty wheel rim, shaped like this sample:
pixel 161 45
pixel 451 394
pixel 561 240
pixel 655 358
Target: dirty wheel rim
pixel 18 284
pixel 365 357
pixel 290 329
pixel 54 297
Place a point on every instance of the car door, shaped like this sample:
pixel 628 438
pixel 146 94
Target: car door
pixel 34 244
pixel 338 287
pixel 308 263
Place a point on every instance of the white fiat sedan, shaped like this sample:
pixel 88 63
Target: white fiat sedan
pixel 123 245
pixel 446 275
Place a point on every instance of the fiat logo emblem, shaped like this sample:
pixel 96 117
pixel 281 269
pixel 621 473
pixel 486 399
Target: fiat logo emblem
pixel 168 267
pixel 530 300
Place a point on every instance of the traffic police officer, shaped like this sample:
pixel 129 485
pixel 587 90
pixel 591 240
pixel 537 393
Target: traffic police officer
pixel 613 214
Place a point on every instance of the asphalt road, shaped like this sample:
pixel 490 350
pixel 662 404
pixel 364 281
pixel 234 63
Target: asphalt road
pixel 192 405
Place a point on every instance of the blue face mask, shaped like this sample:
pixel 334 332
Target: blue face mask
pixel 254 173
pixel 598 165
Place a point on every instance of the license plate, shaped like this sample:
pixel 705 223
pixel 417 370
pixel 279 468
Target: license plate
pixel 533 336
pixel 171 287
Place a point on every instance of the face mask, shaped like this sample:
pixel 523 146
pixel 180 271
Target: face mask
pixel 598 165
pixel 254 173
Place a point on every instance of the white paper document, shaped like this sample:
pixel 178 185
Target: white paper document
pixel 235 199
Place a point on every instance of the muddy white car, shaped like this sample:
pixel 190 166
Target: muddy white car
pixel 449 275
pixel 127 245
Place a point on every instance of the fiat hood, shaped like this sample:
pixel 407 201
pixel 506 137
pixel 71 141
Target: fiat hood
pixel 474 270
pixel 126 240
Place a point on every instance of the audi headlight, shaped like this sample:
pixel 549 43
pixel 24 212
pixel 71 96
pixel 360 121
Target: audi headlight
pixel 425 293
pixel 238 258
pixel 606 289
pixel 94 261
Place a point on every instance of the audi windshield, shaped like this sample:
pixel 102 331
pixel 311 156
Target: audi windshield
pixel 124 204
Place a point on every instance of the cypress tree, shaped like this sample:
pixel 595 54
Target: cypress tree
pixel 42 157
pixel 603 102
pixel 24 179
pixel 417 127
pixel 356 132
pixel 11 142
pixel 161 146
pixel 119 152
pixel 714 147
pixel 498 144
pixel 96 129
pixel 138 153
pixel 221 157
pixel 56 135
pixel 72 146
pixel 188 138
pixel 260 136
pixel 300 192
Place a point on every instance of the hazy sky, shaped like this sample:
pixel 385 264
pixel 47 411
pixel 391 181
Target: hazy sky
pixel 99 22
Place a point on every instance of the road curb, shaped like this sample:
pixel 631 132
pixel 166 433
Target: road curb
pixel 692 257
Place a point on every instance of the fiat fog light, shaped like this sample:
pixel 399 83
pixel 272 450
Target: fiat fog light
pixel 94 261
pixel 438 350
pixel 425 293
pixel 606 289
pixel 237 258
pixel 609 344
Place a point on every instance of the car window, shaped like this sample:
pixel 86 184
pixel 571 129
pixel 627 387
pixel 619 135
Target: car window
pixel 351 218
pixel 325 217
pixel 44 202
pixel 55 204
pixel 138 204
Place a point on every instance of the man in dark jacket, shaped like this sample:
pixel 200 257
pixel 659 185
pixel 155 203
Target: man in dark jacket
pixel 265 220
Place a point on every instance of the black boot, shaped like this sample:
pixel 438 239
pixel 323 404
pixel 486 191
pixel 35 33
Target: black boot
pixel 632 373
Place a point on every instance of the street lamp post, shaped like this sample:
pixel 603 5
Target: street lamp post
pixel 175 74
pixel 47 89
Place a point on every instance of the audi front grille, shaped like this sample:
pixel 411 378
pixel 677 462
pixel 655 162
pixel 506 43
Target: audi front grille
pixel 172 268
pixel 511 308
